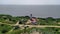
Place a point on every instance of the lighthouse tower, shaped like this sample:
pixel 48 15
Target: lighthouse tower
pixel 30 16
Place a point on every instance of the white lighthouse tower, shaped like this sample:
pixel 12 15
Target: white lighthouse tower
pixel 30 16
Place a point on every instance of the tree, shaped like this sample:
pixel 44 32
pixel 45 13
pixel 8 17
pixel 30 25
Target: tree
pixel 27 17
pixel 50 19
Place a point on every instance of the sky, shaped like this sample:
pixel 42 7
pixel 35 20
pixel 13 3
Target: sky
pixel 30 2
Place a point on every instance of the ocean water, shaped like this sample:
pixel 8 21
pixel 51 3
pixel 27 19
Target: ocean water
pixel 36 10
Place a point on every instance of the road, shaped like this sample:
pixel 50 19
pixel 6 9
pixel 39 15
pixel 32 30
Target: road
pixel 22 25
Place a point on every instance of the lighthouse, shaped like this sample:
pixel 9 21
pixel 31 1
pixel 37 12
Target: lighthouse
pixel 30 16
pixel 32 20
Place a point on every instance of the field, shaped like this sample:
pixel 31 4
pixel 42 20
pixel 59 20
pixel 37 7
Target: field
pixel 9 25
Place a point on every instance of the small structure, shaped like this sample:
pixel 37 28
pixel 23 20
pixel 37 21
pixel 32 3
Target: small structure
pixel 34 32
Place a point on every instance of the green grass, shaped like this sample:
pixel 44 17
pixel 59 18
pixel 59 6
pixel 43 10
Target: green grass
pixel 4 28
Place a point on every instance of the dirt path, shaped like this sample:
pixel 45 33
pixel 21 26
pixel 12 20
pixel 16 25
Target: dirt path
pixel 20 25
